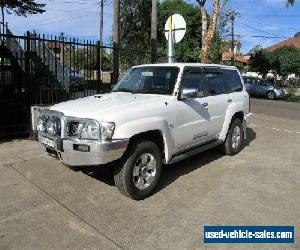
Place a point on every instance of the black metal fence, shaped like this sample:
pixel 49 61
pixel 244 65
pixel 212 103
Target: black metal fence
pixel 43 70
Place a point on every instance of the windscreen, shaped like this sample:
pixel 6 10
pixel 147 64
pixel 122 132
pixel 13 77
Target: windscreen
pixel 149 80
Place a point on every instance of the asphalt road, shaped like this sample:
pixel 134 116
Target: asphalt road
pixel 46 205
pixel 278 108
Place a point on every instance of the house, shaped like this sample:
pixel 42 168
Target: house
pixel 58 48
pixel 295 42
pixel 239 59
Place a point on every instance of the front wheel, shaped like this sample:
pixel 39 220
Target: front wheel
pixel 138 176
pixel 271 95
pixel 235 138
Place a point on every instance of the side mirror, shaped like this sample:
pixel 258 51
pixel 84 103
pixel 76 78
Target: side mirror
pixel 188 94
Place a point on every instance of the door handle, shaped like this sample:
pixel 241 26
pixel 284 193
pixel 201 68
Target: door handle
pixel 205 105
pixel 229 100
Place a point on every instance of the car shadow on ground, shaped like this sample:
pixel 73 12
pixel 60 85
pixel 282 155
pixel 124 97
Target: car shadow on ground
pixel 170 172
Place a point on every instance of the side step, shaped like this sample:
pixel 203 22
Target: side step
pixel 194 151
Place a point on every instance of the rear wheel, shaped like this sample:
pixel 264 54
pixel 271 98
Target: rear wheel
pixel 235 138
pixel 138 176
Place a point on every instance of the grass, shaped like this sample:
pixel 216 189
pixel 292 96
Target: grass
pixel 292 98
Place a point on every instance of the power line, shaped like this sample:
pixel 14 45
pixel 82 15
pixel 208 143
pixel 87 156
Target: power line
pixel 62 20
pixel 263 31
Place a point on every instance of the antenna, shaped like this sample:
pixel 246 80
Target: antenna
pixel 175 29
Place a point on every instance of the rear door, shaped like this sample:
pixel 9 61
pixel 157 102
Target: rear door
pixel 260 87
pixel 235 85
pixel 218 99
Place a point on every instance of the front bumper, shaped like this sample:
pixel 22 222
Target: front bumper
pixel 246 123
pixel 98 152
pixel 279 94
pixel 247 119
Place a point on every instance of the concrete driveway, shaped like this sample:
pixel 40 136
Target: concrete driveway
pixel 46 205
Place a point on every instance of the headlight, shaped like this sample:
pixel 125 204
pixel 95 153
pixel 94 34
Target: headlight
pixel 94 130
pixel 90 130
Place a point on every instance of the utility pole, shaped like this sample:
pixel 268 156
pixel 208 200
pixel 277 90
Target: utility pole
pixel 116 40
pixel 101 35
pixel 231 16
pixel 154 32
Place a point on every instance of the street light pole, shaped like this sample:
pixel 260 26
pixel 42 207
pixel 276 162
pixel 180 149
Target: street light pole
pixel 232 15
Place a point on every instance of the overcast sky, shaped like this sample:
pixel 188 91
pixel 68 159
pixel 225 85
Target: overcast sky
pixel 80 18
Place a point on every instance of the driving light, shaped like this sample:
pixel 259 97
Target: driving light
pixel 41 123
pixel 53 126
pixel 107 130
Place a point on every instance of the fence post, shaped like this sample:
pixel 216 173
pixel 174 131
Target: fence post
pixel 28 80
pixel 115 63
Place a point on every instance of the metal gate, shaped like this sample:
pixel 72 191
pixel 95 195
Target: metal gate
pixel 14 108
pixel 43 70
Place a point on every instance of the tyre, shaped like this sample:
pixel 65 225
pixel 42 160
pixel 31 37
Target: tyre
pixel 235 138
pixel 271 95
pixel 138 175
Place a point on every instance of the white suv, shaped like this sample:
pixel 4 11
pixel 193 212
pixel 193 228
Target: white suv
pixel 157 114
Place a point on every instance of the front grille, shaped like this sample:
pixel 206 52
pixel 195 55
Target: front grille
pixel 72 128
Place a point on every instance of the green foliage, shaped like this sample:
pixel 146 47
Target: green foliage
pixel 259 62
pixel 284 60
pixel 189 48
pixel 22 7
pixel 135 28
pixel 215 55
pixel 135 25
pixel 87 61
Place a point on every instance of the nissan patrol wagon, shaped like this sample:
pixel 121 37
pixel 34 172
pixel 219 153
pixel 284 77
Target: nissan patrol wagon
pixel 157 114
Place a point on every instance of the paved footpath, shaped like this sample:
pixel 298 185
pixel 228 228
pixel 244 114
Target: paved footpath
pixel 46 205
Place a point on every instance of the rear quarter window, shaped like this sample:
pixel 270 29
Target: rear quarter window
pixel 233 80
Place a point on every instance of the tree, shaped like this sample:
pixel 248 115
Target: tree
pixel 187 49
pixel 297 35
pixel 259 62
pixel 203 17
pixel 154 31
pixel 206 44
pixel 20 8
pixel 135 31
pixel 256 48
pixel 286 60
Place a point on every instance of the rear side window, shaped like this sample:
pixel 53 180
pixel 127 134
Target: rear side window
pixel 233 80
pixel 213 83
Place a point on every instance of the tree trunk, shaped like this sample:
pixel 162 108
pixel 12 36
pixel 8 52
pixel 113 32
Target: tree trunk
pixel 154 32
pixel 116 40
pixel 204 24
pixel 210 33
